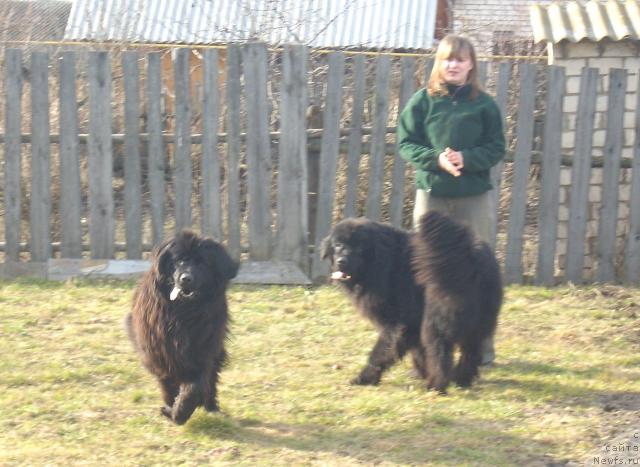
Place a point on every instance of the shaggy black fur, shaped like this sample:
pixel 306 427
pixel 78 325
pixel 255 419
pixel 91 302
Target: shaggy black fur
pixel 372 262
pixel 179 320
pixel 463 289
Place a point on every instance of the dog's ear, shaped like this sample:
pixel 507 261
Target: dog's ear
pixel 161 257
pixel 326 248
pixel 217 255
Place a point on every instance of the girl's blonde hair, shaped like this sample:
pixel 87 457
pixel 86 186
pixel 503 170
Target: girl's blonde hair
pixel 460 48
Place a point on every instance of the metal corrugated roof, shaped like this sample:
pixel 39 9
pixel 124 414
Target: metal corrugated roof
pixel 593 20
pixel 318 23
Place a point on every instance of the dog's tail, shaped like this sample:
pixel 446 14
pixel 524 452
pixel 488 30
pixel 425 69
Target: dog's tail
pixel 444 252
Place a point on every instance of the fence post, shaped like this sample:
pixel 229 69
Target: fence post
pixel 314 120
pixel 328 158
pixel 233 93
pixel 607 228
pixel 70 191
pixel 521 164
pixel 157 150
pixel 292 215
pixel 101 218
pixel 632 257
pixel 183 171
pixel 40 205
pixel 132 168
pixel 550 184
pixel 258 151
pixel 12 152
pixel 211 207
pixel 580 175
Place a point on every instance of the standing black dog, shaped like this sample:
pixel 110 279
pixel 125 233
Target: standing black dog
pixel 372 262
pixel 179 321
pixel 463 290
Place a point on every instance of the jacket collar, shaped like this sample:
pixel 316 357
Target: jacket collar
pixel 459 92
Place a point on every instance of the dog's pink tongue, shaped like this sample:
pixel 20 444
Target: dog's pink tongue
pixel 338 275
pixel 174 293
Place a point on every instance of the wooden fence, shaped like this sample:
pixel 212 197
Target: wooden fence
pixel 269 187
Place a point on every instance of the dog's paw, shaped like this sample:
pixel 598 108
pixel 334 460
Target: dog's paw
pixel 438 386
pixel 212 406
pixel 166 411
pixel 364 379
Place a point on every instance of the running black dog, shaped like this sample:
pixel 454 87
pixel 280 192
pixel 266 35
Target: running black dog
pixel 179 321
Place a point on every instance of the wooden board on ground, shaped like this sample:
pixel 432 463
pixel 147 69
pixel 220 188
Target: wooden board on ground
pixel 251 272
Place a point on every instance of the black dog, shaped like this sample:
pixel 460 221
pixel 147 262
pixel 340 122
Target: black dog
pixel 463 291
pixel 179 321
pixel 372 262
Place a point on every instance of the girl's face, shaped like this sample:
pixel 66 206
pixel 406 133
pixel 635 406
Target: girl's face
pixel 456 70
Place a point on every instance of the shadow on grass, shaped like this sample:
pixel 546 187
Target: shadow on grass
pixel 533 381
pixel 434 439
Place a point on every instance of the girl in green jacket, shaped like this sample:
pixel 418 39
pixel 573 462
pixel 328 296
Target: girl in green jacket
pixel 451 132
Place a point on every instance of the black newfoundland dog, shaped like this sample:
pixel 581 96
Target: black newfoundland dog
pixel 179 321
pixel 372 262
pixel 425 291
pixel 463 291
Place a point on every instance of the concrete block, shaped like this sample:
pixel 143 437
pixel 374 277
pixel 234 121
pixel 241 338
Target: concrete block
pixel 595 193
pixel 573 85
pixel 599 137
pixel 570 104
pixel 63 269
pixel 14 269
pixel 582 50
pixel 605 64
pixel 568 140
pixel 565 177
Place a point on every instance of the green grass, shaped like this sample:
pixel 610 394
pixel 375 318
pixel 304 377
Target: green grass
pixel 72 391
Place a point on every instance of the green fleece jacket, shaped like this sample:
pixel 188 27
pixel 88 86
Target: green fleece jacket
pixel 428 125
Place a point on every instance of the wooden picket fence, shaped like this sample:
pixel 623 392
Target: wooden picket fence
pixel 243 156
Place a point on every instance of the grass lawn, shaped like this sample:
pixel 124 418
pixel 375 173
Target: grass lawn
pixel 72 391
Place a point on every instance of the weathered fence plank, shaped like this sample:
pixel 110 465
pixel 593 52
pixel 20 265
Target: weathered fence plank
pixel 378 144
pixel 354 152
pixel 232 83
pixel 608 223
pixel 328 158
pixel 183 170
pixel 522 162
pixel 157 150
pixel 550 178
pixel 70 191
pixel 132 168
pixel 12 151
pixel 211 205
pixel 40 193
pixel 292 165
pixel 258 152
pixel 100 161
pixel 232 94
pixel 483 72
pixel 407 88
pixel 632 250
pixel 428 68
pixel 501 97
pixel 580 175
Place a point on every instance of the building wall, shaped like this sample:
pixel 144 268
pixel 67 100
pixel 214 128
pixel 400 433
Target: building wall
pixel 484 21
pixel 602 55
